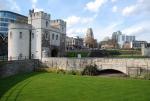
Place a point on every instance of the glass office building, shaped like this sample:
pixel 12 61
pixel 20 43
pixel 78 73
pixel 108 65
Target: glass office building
pixel 6 17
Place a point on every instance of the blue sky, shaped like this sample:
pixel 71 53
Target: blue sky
pixel 132 17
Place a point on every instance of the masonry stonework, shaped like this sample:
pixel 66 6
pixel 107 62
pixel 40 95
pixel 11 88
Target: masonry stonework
pixel 123 65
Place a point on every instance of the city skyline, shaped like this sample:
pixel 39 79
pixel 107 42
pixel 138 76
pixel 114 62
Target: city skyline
pixel 104 16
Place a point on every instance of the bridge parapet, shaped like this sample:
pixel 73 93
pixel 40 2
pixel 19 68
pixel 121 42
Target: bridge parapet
pixel 122 65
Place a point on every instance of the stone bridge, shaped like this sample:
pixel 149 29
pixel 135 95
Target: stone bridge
pixel 124 65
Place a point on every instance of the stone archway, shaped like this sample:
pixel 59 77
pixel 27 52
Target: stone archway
pixel 54 52
pixel 111 72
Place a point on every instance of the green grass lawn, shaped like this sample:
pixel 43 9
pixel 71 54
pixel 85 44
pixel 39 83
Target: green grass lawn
pixel 59 87
pixel 75 54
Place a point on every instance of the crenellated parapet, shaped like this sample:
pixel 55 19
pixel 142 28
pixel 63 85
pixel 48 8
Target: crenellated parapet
pixel 59 24
pixel 39 15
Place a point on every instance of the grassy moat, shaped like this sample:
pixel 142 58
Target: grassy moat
pixel 63 87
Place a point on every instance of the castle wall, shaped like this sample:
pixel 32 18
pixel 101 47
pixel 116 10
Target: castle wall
pixel 145 50
pixel 36 44
pixel 18 41
pixel 39 38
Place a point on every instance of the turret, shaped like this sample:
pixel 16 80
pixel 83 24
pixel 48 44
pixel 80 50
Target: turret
pixel 39 19
pixel 60 24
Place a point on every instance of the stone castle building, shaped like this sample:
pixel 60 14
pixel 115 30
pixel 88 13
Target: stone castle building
pixel 41 37
pixel 89 41
pixel 74 43
pixel 146 50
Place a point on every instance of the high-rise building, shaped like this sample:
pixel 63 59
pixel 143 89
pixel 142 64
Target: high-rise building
pixel 115 35
pixel 122 38
pixel 6 17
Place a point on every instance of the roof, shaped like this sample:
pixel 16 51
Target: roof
pixel 12 13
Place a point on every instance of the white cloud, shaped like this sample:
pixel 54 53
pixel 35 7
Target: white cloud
pixel 141 6
pixel 114 9
pixel 34 6
pixel 94 6
pixel 5 5
pixel 130 10
pixel 74 20
pixel 141 30
pixel 72 32
pixel 76 25
pixel 34 1
pixel 114 1
pixel 106 31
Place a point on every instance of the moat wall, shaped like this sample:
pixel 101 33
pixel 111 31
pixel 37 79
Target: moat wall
pixel 127 66
pixel 8 68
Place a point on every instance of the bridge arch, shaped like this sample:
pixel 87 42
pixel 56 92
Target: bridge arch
pixel 111 71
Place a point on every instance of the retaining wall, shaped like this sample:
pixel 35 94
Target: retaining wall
pixel 8 68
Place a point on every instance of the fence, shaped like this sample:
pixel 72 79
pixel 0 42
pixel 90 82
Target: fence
pixel 6 58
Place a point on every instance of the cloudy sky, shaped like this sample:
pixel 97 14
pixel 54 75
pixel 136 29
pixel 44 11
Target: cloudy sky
pixel 132 17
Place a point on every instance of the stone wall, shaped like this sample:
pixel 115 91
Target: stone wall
pixel 124 65
pixel 145 50
pixel 9 68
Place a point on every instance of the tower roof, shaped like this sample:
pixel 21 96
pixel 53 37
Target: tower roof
pixel 89 33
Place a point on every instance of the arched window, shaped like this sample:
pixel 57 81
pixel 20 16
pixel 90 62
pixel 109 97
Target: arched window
pixel 10 35
pixel 20 35
pixel 46 23
pixel 53 36
pixel 56 37
pixel 32 35
pixel 46 35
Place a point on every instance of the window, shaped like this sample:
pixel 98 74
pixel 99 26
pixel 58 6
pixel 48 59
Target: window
pixel 20 35
pixel 62 28
pixel 32 35
pixel 46 23
pixel 32 56
pixel 20 56
pixel 46 35
pixel 10 35
pixel 53 36
pixel 56 37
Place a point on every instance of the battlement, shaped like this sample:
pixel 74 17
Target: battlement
pixel 58 21
pixel 40 14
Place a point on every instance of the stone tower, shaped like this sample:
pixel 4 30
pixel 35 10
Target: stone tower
pixel 40 22
pixel 89 33
pixel 89 41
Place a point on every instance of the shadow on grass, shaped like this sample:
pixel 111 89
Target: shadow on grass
pixel 9 82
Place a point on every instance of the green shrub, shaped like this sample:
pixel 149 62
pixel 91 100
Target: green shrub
pixel 114 52
pixel 2 63
pixel 90 70
pixel 61 71
pixel 147 76
pixel 75 54
pixel 74 72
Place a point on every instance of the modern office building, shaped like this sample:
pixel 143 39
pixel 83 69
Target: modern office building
pixel 137 44
pixel 122 38
pixel 6 17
